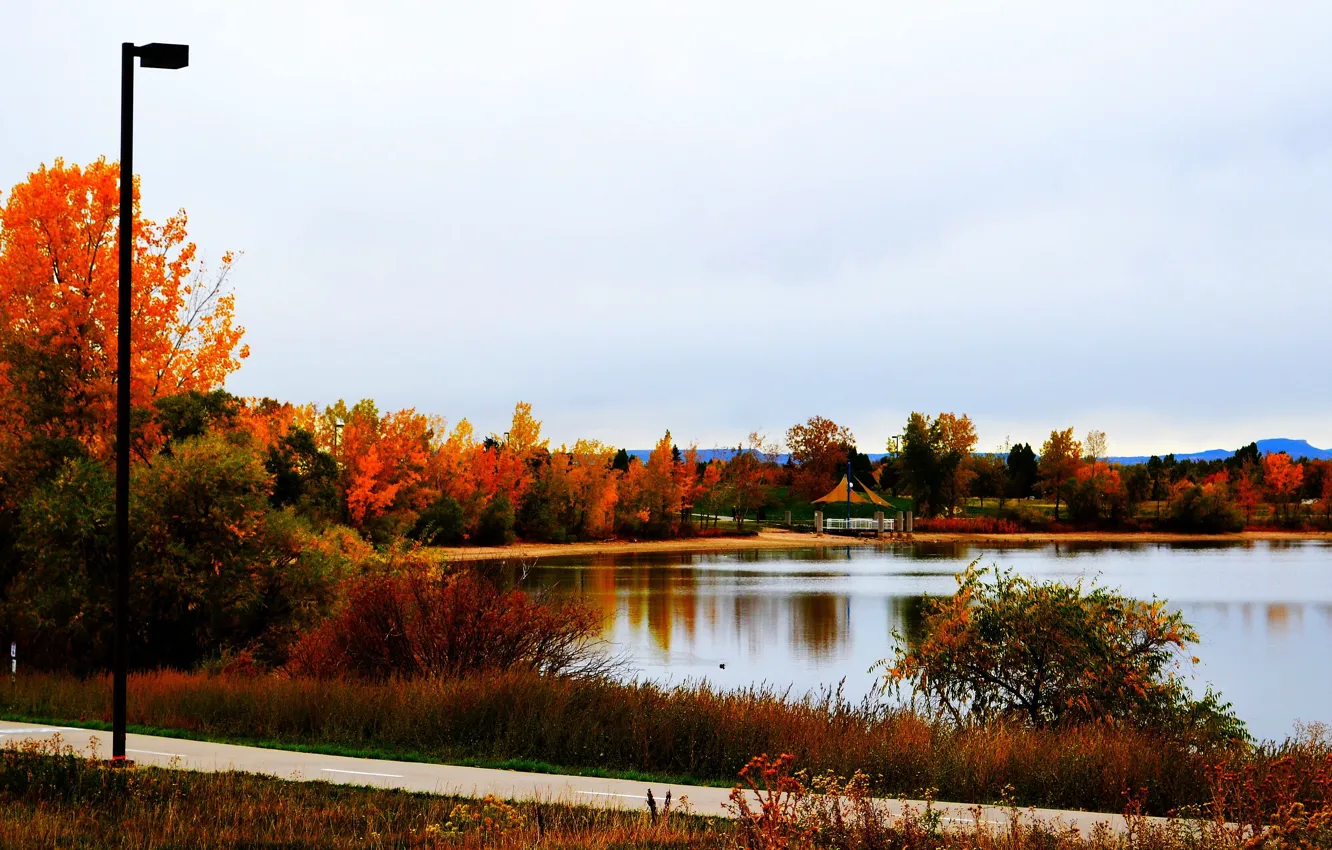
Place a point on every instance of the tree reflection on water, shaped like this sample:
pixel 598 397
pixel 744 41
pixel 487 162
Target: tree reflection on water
pixel 809 618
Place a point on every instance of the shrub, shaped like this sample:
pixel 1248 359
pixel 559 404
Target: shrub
pixel 967 525
pixel 441 524
pixel 539 519
pixel 59 602
pixel 1099 499
pixel 495 525
pixel 1005 647
pixel 303 476
pixel 1028 516
pixel 1284 804
pixel 1205 509
pixel 215 568
pixel 427 622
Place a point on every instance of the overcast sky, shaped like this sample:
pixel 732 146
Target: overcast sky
pixel 722 217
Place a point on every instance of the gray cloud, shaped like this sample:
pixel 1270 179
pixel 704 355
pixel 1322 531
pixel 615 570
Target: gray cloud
pixel 638 216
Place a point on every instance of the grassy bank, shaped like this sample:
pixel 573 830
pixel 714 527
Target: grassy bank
pixel 59 799
pixel 53 797
pixel 642 729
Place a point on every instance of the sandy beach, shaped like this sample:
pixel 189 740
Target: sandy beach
pixel 782 539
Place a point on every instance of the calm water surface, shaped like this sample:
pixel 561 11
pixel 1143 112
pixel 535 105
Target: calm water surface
pixel 809 618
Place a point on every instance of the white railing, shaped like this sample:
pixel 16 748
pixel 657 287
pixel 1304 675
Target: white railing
pixel 856 524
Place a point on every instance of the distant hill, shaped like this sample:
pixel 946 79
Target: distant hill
pixel 1294 448
pixel 704 455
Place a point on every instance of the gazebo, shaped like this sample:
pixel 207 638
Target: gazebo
pixel 860 494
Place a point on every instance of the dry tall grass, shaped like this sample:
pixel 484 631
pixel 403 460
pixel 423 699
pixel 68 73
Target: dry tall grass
pixel 683 732
pixel 53 797
pixel 1291 808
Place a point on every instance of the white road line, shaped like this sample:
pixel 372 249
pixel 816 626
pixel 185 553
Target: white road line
pixel 34 731
pixel 362 773
pixel 155 753
pixel 609 794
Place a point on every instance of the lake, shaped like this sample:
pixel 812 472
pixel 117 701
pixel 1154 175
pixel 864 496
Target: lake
pixel 805 619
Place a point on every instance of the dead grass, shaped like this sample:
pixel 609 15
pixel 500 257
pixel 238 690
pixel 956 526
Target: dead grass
pixel 646 729
pixel 53 797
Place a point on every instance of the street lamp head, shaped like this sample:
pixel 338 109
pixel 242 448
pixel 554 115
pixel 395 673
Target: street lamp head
pixel 170 56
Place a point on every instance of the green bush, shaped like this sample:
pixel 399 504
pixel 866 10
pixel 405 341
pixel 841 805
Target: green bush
pixel 1027 515
pixel 58 605
pixel 214 570
pixel 303 476
pixel 1005 648
pixel 441 524
pixel 495 525
pixel 539 519
pixel 1205 510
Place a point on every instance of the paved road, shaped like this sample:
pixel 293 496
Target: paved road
pixel 451 779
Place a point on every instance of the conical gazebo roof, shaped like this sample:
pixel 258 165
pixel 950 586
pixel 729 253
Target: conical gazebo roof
pixel 860 494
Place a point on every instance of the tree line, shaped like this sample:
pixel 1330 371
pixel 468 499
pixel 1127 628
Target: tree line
pixel 248 512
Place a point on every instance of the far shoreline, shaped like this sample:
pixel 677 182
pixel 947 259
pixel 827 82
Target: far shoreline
pixel 771 538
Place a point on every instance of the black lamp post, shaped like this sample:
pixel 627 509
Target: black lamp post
pixel 171 56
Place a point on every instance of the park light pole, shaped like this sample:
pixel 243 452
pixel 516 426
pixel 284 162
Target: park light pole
pixel 172 57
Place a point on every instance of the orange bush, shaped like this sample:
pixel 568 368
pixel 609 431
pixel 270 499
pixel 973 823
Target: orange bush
pixel 968 525
pixel 428 622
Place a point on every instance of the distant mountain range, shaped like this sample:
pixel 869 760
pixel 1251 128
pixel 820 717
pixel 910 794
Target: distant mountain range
pixel 1294 448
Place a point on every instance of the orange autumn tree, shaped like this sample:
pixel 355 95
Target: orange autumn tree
pixel 652 494
pixel 745 475
pixel 955 437
pixel 268 420
pixel 1282 478
pixel 58 313
pixel 383 461
pixel 1099 494
pixel 512 455
pixel 453 469
pixel 473 473
pixel 572 494
pixel 593 487
pixel 663 487
pixel 710 491
pixel 1248 495
pixel 819 449
pixel 1061 455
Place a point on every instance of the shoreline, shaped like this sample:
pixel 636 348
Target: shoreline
pixel 770 538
